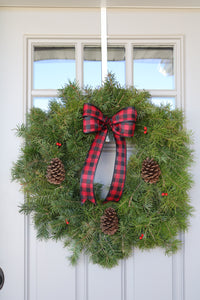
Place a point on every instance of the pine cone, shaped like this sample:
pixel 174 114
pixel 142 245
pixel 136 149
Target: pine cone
pixel 150 170
pixel 55 171
pixel 109 221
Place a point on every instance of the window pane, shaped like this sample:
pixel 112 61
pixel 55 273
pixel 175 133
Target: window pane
pixel 164 100
pixel 42 102
pixel 53 67
pixel 92 66
pixel 116 63
pixel 153 67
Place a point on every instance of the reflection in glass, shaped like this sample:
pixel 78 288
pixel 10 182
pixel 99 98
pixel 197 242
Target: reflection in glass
pixel 92 66
pixel 153 67
pixel 53 67
pixel 164 101
pixel 116 63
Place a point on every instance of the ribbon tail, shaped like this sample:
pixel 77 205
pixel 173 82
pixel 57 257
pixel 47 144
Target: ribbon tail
pixel 88 172
pixel 119 174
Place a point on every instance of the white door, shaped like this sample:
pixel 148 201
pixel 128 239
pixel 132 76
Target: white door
pixel 37 270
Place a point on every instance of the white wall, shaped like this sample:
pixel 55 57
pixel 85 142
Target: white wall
pixel 142 271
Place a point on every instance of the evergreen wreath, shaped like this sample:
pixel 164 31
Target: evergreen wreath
pixel 155 205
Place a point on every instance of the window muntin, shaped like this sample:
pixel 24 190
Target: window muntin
pixel 153 67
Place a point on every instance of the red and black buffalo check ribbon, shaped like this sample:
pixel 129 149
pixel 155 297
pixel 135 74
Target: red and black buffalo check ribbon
pixel 122 125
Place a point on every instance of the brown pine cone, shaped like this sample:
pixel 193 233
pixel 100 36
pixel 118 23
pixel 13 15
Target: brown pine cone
pixel 109 221
pixel 55 171
pixel 150 170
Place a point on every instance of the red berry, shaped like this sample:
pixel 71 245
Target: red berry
pixel 163 194
pixel 145 128
pixel 145 132
pixel 140 238
pixel 166 194
pixel 67 222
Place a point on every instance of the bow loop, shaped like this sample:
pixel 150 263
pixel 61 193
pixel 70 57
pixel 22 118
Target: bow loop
pixel 93 119
pixel 124 122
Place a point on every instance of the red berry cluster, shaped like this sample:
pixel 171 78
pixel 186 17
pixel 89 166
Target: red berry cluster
pixel 164 194
pixel 145 130
pixel 58 144
pixel 141 237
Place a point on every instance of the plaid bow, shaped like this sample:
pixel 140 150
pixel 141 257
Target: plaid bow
pixel 122 125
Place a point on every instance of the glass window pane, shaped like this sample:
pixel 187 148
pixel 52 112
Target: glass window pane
pixel 116 63
pixel 53 67
pixel 164 100
pixel 153 67
pixel 92 66
pixel 42 102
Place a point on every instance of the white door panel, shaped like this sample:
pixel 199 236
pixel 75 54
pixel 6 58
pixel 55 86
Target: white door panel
pixel 153 275
pixel 51 275
pixel 36 270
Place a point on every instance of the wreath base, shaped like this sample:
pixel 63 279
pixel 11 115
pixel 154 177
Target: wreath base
pixel 149 214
